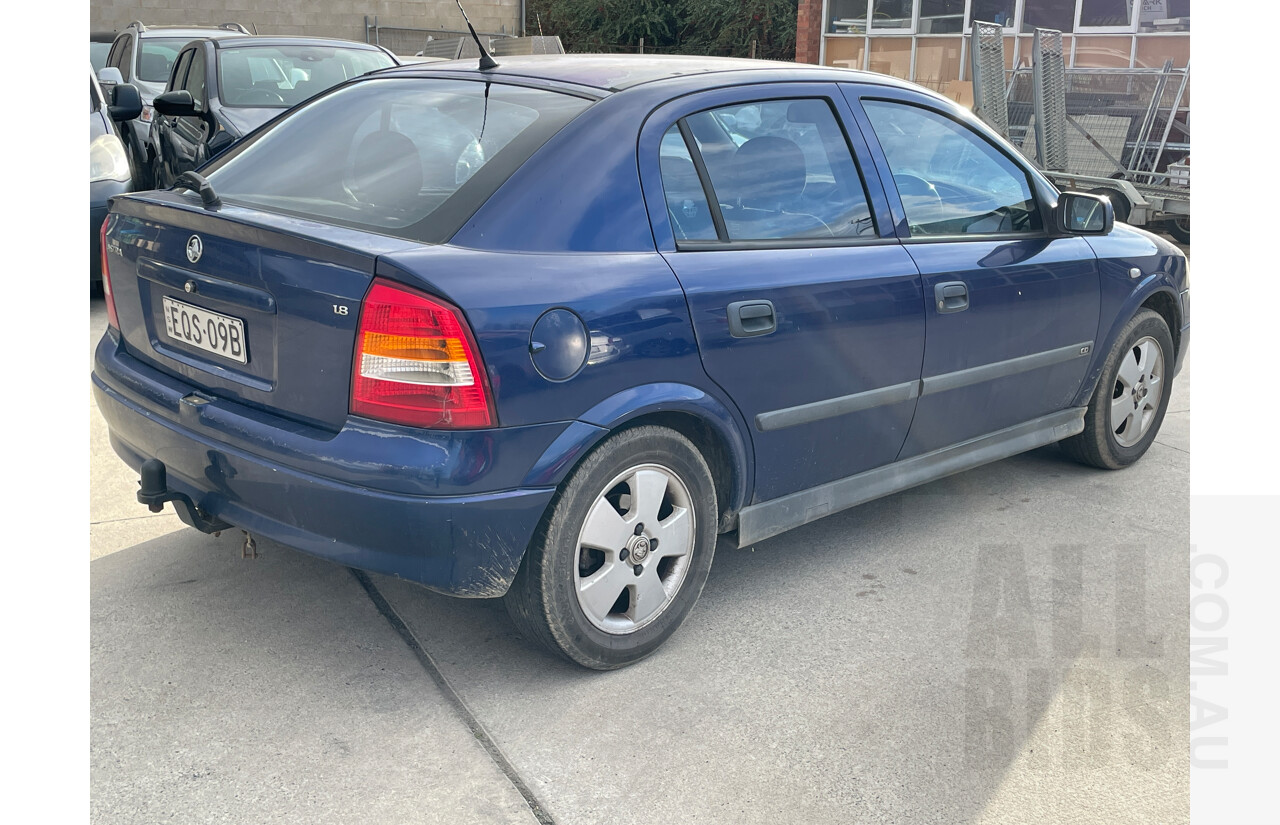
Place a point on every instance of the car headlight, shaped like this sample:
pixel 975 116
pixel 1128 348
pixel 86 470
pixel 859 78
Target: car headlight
pixel 107 159
pixel 148 113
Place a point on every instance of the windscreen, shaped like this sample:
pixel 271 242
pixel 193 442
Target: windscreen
pixel 410 157
pixel 283 76
pixel 156 56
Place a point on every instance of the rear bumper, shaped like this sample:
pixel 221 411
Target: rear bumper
pixel 468 544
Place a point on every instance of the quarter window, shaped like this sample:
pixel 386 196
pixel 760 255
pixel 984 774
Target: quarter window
pixel 950 179
pixel 195 78
pixel 686 201
pixel 782 170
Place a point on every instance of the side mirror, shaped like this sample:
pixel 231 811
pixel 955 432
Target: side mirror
pixel 1082 214
pixel 177 103
pixel 126 103
pixel 109 75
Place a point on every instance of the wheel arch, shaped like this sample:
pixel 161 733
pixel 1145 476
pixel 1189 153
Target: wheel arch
pixel 1161 299
pixel 709 423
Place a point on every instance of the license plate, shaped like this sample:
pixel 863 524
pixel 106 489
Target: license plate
pixel 212 332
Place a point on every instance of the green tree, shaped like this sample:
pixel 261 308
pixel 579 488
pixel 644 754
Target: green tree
pixel 716 27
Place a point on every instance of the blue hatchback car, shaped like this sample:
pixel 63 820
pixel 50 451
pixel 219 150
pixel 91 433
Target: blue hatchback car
pixel 545 331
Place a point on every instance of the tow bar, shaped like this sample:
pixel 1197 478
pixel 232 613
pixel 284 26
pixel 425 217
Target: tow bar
pixel 154 492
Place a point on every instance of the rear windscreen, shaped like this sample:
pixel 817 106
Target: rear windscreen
pixel 410 157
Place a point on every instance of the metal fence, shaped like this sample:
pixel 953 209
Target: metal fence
pixel 429 42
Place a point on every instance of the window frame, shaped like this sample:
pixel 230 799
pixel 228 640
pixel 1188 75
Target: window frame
pixel 854 142
pixel 1130 28
pixel 1043 192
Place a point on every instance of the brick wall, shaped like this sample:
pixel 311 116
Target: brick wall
pixel 315 18
pixel 808 31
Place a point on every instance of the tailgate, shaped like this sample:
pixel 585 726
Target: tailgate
pixel 253 306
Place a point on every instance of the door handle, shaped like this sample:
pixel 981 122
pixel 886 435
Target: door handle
pixel 952 296
pixel 748 319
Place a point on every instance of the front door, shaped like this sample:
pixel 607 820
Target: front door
pixel 808 313
pixel 1012 310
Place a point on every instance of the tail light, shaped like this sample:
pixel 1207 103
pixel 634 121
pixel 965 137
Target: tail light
pixel 416 363
pixel 106 277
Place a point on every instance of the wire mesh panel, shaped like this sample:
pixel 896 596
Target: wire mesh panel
pixel 1108 113
pixel 1049 73
pixel 527 45
pixel 987 64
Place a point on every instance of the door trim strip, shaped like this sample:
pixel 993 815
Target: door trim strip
pixel 897 393
pixel 831 407
pixel 769 518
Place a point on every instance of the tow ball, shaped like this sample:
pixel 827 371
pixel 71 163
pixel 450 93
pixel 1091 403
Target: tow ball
pixel 154 492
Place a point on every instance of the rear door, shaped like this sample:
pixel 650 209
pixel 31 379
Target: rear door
pixel 807 311
pixel 1012 310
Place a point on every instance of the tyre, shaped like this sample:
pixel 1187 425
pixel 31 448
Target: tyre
pixel 1129 403
pixel 623 553
pixel 1180 229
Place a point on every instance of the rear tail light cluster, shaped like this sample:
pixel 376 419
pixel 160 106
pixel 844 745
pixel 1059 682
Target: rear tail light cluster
pixel 106 277
pixel 416 363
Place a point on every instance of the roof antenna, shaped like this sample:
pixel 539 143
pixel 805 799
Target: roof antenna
pixel 486 62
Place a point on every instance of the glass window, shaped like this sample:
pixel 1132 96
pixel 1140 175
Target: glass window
pixel 180 71
pixel 891 56
pixel 846 52
pixel 993 11
pixel 195 77
pixel 1110 13
pixel 156 56
pixel 847 16
pixel 283 76
pixel 950 179
pixel 782 169
pixel 410 157
pixel 120 56
pixel 937 62
pixel 891 14
pixel 686 201
pixel 98 55
pixel 941 16
pixel 1048 14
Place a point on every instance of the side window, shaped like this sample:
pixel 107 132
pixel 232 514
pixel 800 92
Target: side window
pixel 195 76
pixel 782 170
pixel 120 56
pixel 686 201
pixel 950 179
pixel 178 79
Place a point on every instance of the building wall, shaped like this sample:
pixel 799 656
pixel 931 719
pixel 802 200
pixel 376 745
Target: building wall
pixel 315 18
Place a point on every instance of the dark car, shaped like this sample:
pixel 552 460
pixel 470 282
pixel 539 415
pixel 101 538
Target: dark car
pixel 144 56
pixel 543 331
pixel 110 172
pixel 222 89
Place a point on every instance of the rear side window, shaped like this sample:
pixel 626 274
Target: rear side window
pixel 156 56
pixel 410 157
pixel 782 170
pixel 686 201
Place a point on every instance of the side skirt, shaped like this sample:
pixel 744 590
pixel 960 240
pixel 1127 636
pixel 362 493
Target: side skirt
pixel 769 518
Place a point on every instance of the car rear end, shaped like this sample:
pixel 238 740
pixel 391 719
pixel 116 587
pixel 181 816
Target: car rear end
pixel 286 382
